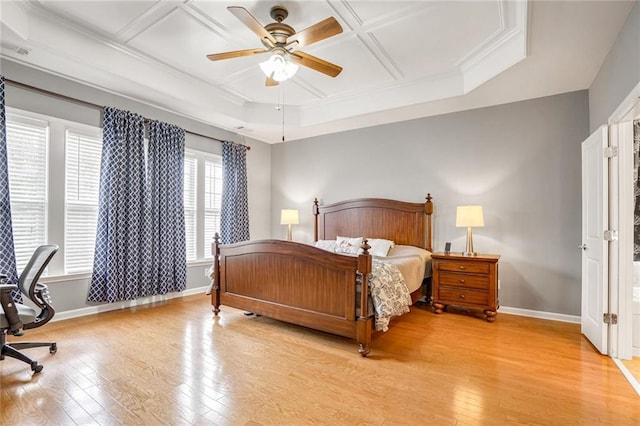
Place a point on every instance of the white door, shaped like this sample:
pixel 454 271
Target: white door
pixel 595 254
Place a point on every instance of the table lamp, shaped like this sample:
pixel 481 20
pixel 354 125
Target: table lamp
pixel 289 217
pixel 469 216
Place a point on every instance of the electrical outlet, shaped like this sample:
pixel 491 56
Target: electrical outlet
pixel 498 284
pixel 206 273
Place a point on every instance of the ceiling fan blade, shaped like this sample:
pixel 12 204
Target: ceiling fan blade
pixel 323 29
pixel 235 54
pixel 314 63
pixel 271 82
pixel 252 23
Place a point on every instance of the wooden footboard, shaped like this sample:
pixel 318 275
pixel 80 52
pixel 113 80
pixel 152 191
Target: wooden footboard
pixel 296 283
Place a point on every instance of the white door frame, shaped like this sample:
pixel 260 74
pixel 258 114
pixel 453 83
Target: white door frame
pixel 621 218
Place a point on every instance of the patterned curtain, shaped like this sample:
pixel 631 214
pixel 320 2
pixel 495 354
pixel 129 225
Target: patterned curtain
pixel 234 209
pixel 121 261
pixel 166 175
pixel 636 176
pixel 7 248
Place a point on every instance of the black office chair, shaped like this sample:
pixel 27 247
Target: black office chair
pixel 15 317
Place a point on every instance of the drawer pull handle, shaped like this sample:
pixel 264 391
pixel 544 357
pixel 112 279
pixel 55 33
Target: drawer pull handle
pixel 462 296
pixel 462 267
pixel 462 281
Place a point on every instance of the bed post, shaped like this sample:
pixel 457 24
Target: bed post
pixel 363 325
pixel 215 291
pixel 428 209
pixel 316 212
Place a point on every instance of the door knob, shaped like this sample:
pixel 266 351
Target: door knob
pixel 582 247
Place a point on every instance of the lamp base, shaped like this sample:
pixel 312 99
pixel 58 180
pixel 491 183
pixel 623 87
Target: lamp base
pixel 468 250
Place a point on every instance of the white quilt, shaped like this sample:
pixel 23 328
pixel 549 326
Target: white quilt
pixel 388 290
pixel 414 264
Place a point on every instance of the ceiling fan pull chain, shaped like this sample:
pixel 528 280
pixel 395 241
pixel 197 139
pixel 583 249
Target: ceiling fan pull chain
pixel 282 90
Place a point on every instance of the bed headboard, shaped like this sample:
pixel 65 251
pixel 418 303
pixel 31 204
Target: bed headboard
pixel 399 221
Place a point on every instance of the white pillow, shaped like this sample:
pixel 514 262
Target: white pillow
pixel 348 245
pixel 379 247
pixel 329 245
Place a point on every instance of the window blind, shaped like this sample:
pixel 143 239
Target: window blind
pixel 27 141
pixel 190 196
pixel 212 201
pixel 82 184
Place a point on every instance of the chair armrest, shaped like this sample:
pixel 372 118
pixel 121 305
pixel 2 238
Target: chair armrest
pixel 42 298
pixel 8 288
pixel 9 308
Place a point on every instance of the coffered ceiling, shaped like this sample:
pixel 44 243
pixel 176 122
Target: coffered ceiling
pixel 401 59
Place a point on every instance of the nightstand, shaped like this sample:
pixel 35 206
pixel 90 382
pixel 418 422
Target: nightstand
pixel 469 281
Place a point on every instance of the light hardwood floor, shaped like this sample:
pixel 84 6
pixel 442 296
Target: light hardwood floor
pixel 174 364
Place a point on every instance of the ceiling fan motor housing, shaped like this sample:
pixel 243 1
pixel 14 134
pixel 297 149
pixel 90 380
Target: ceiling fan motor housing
pixel 278 29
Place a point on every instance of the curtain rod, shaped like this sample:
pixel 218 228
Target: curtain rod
pixel 90 104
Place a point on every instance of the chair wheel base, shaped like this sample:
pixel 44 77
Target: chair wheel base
pixel 53 348
pixel 36 367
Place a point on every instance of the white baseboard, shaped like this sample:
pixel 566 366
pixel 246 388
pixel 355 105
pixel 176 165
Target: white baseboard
pixel 91 310
pixel 540 314
pixel 627 374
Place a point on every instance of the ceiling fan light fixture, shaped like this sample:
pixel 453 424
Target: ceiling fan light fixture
pixel 278 67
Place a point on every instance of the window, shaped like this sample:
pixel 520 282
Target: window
pixel 190 204
pixel 59 204
pixel 82 182
pixel 212 201
pixel 27 147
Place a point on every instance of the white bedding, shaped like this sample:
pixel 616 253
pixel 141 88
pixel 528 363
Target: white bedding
pixel 414 264
pixel 392 279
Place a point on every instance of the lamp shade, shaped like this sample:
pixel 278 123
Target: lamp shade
pixel 278 67
pixel 289 217
pixel 469 216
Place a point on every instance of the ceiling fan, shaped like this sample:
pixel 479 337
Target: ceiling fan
pixel 281 40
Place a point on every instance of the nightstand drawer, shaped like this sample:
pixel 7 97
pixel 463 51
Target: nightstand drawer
pixel 471 267
pixel 457 295
pixel 464 280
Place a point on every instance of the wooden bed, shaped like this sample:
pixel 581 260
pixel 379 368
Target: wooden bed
pixel 304 285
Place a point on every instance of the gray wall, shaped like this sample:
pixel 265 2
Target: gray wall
pixel 70 294
pixel 521 161
pixel 619 73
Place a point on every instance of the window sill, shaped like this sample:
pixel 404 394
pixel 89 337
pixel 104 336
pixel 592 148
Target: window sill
pixel 87 275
